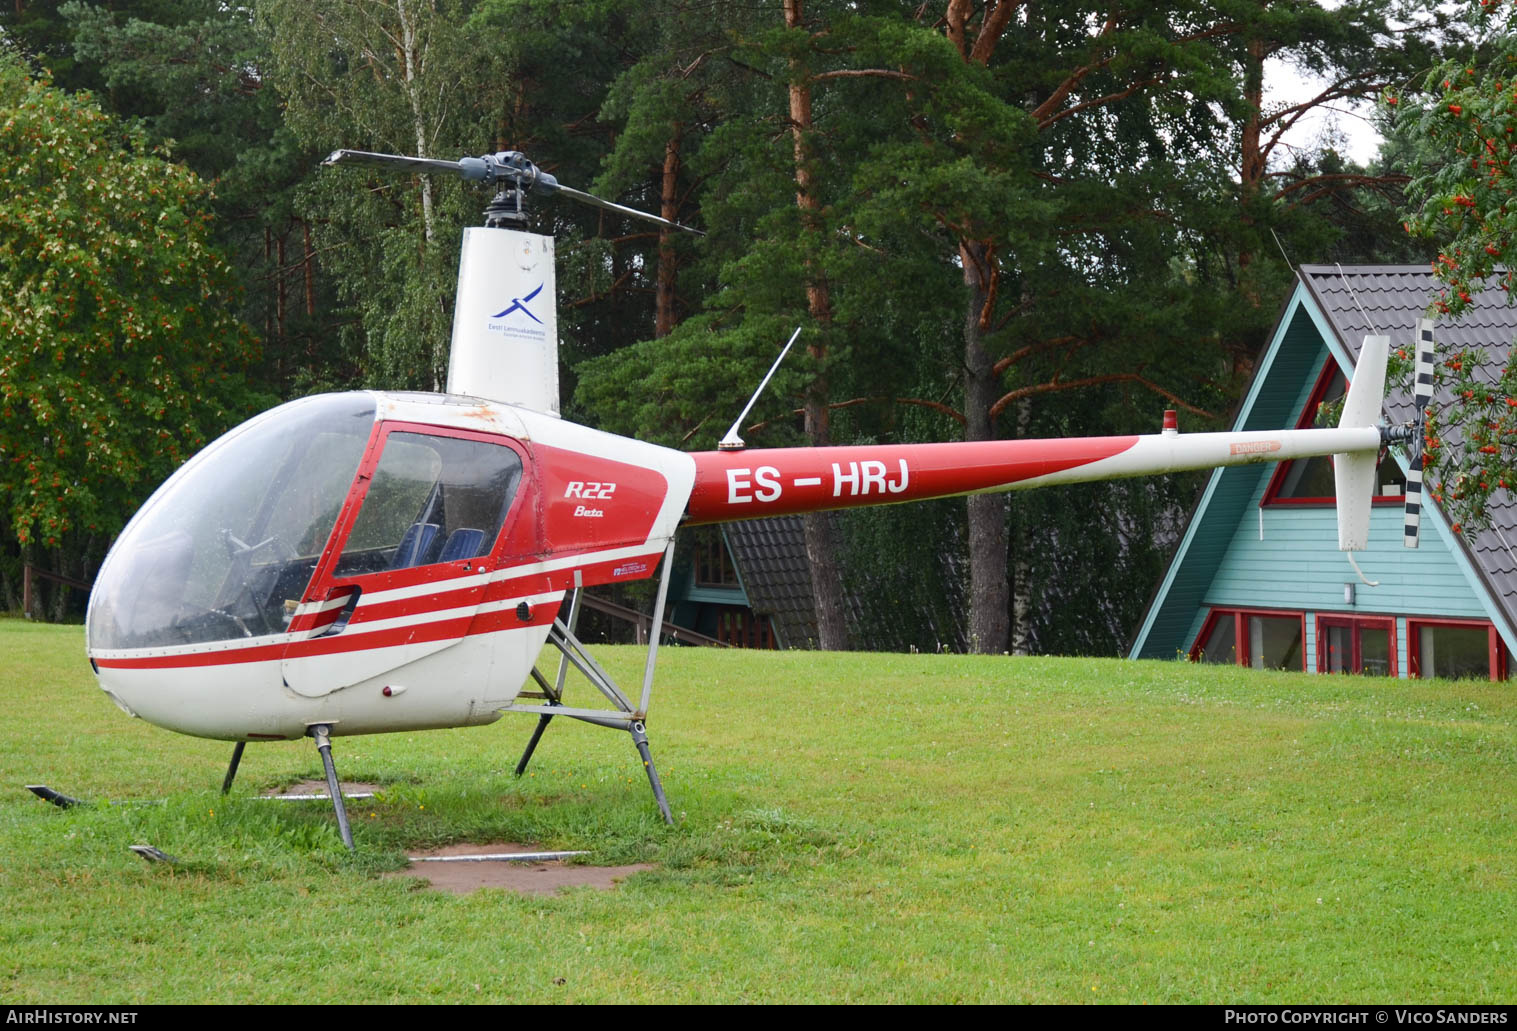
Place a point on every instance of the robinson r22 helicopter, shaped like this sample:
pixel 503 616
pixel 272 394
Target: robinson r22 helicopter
pixel 367 562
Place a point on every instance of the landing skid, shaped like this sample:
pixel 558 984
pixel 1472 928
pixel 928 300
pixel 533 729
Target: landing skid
pixel 625 715
pixel 57 798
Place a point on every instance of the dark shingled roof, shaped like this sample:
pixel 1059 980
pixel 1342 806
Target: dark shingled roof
pixel 770 555
pixel 1388 300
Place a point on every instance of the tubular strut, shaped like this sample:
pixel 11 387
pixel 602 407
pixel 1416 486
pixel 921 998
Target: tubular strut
pixel 321 733
pixel 626 715
pixel 553 693
pixel 231 770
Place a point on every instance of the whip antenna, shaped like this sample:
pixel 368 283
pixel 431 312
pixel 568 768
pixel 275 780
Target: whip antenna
pixel 732 442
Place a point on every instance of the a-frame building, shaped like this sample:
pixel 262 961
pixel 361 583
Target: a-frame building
pixel 1258 578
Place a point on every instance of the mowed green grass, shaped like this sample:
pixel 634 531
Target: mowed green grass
pixel 851 828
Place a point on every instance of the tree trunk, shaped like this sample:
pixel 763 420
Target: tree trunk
pixel 58 601
pixel 821 555
pixel 412 61
pixel 663 320
pixel 1251 155
pixel 989 596
pixel 821 549
pixel 280 299
pixel 308 259
pixel 268 263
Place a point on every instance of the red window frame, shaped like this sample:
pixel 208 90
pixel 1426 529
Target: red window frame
pixel 1355 623
pixel 322 579
pixel 1240 631
pixel 1304 421
pixel 1496 653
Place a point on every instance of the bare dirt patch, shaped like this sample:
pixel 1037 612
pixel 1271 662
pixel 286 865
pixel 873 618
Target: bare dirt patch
pixel 319 787
pixel 539 878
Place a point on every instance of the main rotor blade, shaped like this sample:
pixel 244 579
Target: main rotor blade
pixel 491 168
pixel 412 164
pixel 590 198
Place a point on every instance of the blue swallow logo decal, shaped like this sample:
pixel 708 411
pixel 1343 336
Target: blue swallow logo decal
pixel 520 304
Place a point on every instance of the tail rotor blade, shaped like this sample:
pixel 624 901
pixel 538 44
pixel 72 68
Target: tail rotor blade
pixel 1422 395
pixel 1422 391
pixel 1413 502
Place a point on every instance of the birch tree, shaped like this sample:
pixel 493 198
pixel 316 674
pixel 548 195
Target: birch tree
pixel 398 76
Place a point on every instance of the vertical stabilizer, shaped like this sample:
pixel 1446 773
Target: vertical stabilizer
pixel 1354 471
pixel 505 325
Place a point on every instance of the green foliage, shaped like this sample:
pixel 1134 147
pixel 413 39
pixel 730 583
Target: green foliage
pixel 119 354
pixel 1463 124
pixel 903 567
pixel 402 78
pixel 1090 162
pixel 1469 451
pixel 1460 125
pixel 193 76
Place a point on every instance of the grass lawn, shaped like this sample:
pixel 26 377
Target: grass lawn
pixel 851 828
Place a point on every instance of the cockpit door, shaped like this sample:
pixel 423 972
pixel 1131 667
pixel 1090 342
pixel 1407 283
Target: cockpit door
pixel 409 560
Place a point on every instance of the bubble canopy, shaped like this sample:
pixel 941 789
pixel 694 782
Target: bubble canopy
pixel 220 548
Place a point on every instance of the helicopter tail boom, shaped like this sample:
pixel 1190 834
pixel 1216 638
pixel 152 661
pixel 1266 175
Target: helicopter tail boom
pixel 731 485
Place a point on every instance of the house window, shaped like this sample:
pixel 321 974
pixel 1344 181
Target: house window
pixel 1348 644
pixel 1309 481
pixel 713 565
pixel 1219 640
pixel 743 628
pixel 1274 642
pixel 1454 649
pixel 1262 640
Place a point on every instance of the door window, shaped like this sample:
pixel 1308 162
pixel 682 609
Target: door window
pixel 431 499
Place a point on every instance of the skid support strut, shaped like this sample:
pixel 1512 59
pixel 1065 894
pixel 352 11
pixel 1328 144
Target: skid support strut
pixel 640 739
pixel 231 770
pixel 321 733
pixel 553 694
pixel 626 714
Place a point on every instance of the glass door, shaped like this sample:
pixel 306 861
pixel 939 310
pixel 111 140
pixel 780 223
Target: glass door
pixel 411 557
pixel 1347 644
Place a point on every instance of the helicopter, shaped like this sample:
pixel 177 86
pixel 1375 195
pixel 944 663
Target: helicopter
pixel 372 562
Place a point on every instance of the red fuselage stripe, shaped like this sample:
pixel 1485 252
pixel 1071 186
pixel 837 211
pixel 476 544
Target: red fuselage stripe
pixel 778 481
pixel 353 638
pixel 350 640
